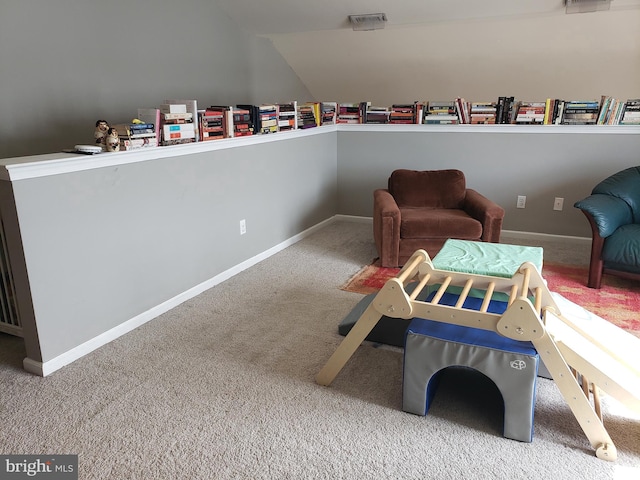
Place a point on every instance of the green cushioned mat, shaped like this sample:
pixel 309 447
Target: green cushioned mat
pixel 483 258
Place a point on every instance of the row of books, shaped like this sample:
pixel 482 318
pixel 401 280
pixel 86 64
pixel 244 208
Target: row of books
pixel 171 124
pixel 225 121
pixel 174 122
pixel 136 135
pixel 180 121
pixel 506 110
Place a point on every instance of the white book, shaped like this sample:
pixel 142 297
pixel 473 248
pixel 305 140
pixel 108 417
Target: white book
pixel 192 108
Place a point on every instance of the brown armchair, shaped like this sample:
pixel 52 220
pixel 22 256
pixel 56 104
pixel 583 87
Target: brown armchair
pixel 422 209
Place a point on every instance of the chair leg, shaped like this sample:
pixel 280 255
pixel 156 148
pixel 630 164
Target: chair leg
pixel 596 264
pixel 595 274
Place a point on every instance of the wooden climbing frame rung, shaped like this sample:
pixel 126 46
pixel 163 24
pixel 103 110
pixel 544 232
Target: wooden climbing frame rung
pixel 487 297
pixel 537 294
pixel 441 291
pixel 421 284
pixel 464 294
pixel 525 281
pixel 513 294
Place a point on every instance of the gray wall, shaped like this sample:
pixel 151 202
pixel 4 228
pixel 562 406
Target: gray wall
pixel 498 162
pixel 67 63
pixel 102 246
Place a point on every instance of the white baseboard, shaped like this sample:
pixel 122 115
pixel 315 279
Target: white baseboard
pixel 545 237
pixel 354 218
pixel 46 368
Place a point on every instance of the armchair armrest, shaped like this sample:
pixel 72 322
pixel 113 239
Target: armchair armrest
pixel 607 212
pixel 487 212
pixel 384 204
pixel 386 227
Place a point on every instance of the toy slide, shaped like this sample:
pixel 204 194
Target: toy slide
pixel 582 352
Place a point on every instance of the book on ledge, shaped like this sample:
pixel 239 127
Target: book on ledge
pixel 350 112
pixel 580 112
pixel 192 109
pixel 173 116
pixel 329 113
pixel 315 109
pixel 243 120
pixel 151 115
pixel 404 113
pixel 483 113
pixel 287 116
pixel 379 115
pixel 133 136
pixel 440 113
pixel 462 109
pixel 268 118
pixel 506 110
pixel 306 116
pixel 531 113
pixel 227 118
pixel 630 112
pixel 254 117
pixel 212 124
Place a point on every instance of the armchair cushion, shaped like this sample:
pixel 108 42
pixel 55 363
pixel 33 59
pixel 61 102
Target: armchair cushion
pixel 621 251
pixel 431 188
pixel 438 223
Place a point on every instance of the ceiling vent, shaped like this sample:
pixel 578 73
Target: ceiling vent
pixel 581 6
pixel 369 21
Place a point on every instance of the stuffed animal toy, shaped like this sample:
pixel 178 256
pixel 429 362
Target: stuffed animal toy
pixel 112 141
pixel 100 132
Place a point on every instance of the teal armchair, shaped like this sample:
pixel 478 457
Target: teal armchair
pixel 613 212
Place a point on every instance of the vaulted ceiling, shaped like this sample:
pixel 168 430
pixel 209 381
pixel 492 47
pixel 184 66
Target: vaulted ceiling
pixel 449 48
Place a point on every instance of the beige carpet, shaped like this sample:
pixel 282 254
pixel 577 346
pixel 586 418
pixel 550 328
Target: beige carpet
pixel 222 387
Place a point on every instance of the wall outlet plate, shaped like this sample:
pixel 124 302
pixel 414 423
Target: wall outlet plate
pixel 558 203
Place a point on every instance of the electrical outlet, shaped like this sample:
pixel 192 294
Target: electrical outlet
pixel 522 201
pixel 558 203
pixel 243 226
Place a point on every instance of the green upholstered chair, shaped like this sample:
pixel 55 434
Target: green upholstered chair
pixel 613 212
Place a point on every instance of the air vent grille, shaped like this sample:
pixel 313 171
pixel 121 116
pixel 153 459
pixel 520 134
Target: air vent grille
pixel 582 6
pixel 369 21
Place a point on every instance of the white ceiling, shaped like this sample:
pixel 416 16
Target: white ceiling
pixel 272 17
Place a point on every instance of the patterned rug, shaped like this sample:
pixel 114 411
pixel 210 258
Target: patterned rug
pixel 618 301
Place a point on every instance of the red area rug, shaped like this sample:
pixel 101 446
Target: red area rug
pixel 618 301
